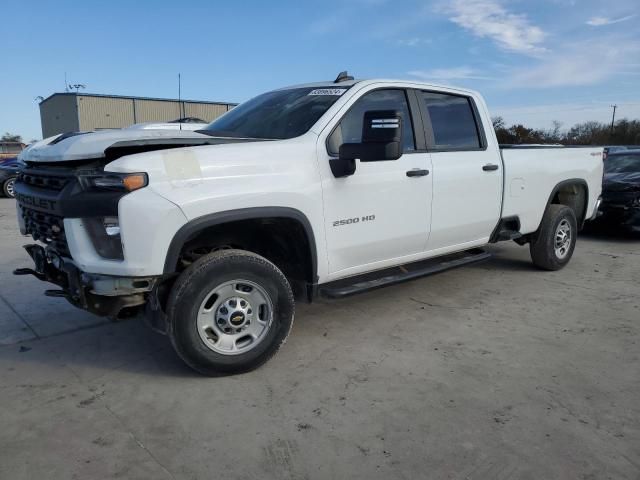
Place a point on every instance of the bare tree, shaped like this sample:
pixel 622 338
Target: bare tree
pixel 625 132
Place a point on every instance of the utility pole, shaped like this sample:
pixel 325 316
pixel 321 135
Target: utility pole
pixel 613 119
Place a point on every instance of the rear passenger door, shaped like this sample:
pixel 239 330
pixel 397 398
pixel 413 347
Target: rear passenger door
pixel 467 175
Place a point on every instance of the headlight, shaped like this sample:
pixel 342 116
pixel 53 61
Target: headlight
pixel 123 182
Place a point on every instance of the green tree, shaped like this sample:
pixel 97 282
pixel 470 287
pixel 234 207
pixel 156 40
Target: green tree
pixel 10 137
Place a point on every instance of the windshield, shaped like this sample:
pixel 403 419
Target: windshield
pixel 622 164
pixel 278 115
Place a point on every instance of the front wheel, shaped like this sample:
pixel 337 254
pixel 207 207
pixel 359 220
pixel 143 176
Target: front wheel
pixel 229 312
pixel 553 244
pixel 8 188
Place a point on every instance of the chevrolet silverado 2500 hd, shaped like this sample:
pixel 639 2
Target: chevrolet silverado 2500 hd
pixel 321 189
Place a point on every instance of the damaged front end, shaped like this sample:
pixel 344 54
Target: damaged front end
pixel 621 206
pixel 56 202
pixel 621 190
pixel 103 295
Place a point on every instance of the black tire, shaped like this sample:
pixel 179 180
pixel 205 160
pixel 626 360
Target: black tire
pixel 543 243
pixel 195 285
pixel 7 188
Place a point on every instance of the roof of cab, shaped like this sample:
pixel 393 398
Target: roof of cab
pixel 350 83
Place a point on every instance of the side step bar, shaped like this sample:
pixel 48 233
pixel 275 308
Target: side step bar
pixel 390 276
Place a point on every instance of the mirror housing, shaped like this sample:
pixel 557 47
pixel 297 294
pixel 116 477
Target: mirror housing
pixel 370 152
pixel 381 140
pixel 342 167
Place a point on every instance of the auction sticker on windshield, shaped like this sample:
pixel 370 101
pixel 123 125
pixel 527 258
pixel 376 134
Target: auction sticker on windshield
pixel 328 91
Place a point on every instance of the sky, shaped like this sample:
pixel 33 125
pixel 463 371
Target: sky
pixel 535 61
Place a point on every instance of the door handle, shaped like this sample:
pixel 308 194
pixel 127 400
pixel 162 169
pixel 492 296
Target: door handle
pixel 490 167
pixel 416 172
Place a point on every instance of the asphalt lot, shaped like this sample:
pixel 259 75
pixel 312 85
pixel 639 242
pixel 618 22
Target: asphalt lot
pixel 493 371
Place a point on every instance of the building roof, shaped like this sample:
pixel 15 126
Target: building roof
pixel 132 97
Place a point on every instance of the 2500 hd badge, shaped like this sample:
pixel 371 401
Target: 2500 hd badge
pixel 351 221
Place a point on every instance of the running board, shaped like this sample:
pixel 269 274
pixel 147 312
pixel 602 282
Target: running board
pixel 403 273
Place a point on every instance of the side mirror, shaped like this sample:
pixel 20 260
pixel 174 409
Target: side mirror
pixel 381 140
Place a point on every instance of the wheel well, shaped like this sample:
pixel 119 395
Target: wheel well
pixel 281 240
pixel 573 194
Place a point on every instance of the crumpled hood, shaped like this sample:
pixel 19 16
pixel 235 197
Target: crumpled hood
pixel 90 145
pixel 621 182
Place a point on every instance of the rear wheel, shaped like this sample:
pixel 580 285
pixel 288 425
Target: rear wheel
pixel 229 312
pixel 8 188
pixel 553 244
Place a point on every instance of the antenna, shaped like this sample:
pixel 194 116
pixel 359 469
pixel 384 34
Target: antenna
pixel 66 85
pixel 180 101
pixel 343 77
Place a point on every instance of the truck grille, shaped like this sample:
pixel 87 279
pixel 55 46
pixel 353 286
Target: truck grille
pixel 46 181
pixel 46 228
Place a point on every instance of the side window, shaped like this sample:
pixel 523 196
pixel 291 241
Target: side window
pixel 349 130
pixel 452 122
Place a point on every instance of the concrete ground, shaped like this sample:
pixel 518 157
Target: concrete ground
pixel 493 371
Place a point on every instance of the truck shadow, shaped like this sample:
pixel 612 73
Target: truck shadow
pixel 130 347
pixel 609 233
pixel 506 264
pixel 506 258
pixel 92 352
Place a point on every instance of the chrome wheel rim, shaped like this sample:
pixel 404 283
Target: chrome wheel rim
pixel 10 188
pixel 562 241
pixel 235 317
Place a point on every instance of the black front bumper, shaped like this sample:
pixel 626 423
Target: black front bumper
pixel 621 208
pixel 627 218
pixel 74 285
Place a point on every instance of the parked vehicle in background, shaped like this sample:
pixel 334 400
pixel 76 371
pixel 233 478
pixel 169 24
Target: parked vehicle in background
pixel 8 172
pixel 10 150
pixel 617 148
pixel 621 190
pixel 186 123
pixel 329 189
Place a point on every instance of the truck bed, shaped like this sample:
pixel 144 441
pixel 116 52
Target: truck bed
pixel 533 173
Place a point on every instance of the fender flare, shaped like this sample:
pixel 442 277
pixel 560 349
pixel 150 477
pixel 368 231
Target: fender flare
pixel 572 181
pixel 210 220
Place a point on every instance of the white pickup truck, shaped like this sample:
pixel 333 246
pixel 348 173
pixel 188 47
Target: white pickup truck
pixel 323 189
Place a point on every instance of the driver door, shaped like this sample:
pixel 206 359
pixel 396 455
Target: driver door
pixel 380 215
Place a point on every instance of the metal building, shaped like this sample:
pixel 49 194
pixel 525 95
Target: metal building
pixel 74 112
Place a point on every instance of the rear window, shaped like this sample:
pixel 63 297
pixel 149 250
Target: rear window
pixel 452 121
